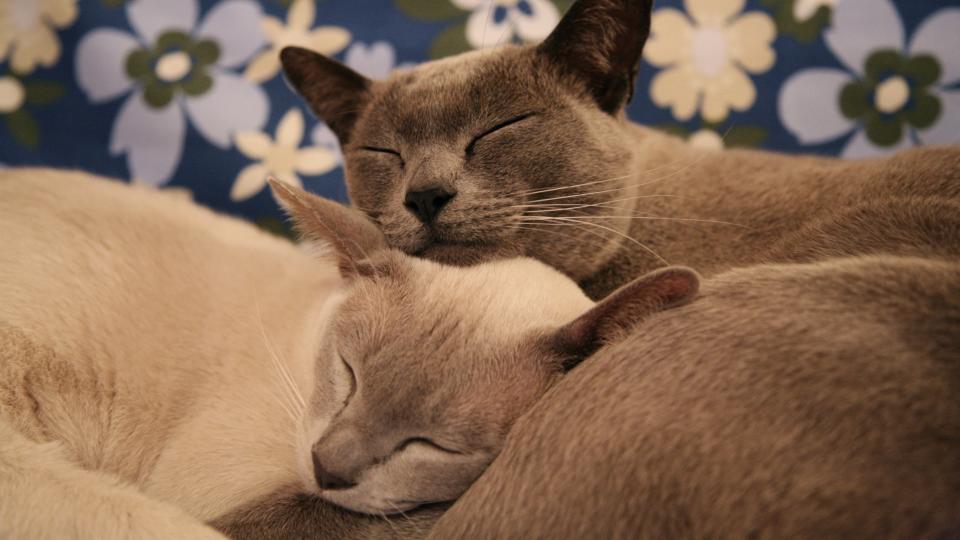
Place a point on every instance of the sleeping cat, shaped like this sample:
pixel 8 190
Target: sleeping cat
pixel 526 150
pixel 162 366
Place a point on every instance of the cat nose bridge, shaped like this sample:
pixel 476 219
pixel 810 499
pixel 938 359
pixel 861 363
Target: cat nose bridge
pixel 430 187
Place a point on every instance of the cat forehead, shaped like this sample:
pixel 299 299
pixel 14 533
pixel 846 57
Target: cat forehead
pixel 504 298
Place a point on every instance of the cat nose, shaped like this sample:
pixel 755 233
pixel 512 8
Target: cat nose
pixel 327 479
pixel 427 203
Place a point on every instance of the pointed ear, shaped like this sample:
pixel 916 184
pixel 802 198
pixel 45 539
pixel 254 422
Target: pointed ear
pixel 622 309
pixel 599 43
pixel 333 91
pixel 352 237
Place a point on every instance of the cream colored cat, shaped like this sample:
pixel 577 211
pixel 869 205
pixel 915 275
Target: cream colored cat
pixel 162 366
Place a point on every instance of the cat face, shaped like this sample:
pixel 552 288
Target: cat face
pixel 516 151
pixel 424 367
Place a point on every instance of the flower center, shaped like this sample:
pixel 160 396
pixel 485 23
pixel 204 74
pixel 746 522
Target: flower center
pixel 25 15
pixel 804 9
pixel 11 94
pixel 281 159
pixel 173 66
pixel 709 51
pixel 892 94
pixel 506 3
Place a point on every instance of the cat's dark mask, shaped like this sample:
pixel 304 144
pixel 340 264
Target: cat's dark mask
pixel 510 151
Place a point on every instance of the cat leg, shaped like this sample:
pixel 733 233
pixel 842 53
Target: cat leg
pixel 43 495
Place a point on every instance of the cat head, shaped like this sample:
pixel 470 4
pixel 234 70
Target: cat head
pixel 495 153
pixel 424 367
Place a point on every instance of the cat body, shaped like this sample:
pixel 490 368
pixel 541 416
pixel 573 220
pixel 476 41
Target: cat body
pixel 163 366
pixel 128 351
pixel 526 150
pixel 812 400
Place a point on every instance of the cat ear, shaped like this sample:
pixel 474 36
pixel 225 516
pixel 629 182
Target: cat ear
pixel 622 309
pixel 599 42
pixel 333 91
pixel 352 237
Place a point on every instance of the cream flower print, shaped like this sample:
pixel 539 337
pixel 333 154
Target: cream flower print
pixel 297 31
pixel 27 31
pixel 706 55
pixel 280 156
pixel 494 22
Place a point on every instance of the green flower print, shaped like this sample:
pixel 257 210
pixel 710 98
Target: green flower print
pixel 15 96
pixel 176 63
pixel 802 20
pixel 895 92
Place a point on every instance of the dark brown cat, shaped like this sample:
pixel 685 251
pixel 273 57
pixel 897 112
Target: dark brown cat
pixel 527 151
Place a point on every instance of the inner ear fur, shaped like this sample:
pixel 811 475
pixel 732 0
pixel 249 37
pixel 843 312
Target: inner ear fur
pixel 599 43
pixel 334 92
pixel 622 309
pixel 351 236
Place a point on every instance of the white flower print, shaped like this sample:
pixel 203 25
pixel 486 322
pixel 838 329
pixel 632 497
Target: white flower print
pixel 706 57
pixel 281 157
pixel 174 70
pixel 893 93
pixel 297 31
pixel 27 31
pixel 494 22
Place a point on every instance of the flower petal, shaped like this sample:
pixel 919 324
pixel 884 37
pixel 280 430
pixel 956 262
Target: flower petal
pixel 946 130
pixel 677 88
pixel 38 46
pixel 272 27
pixel 538 24
pixel 264 67
pixel 315 160
pixel 301 15
pixel 861 27
pixel 483 31
pixel 670 38
pixel 329 39
pixel 235 25
pixel 253 144
pixel 288 178
pixel 809 105
pixel 470 5
pixel 290 128
pixel 150 18
pixel 60 13
pixel 713 12
pixel 750 37
pixel 151 138
pixel 233 104
pixel 249 182
pixel 101 63
pixel 860 147
pixel 938 36
pixel 730 89
pixel 375 60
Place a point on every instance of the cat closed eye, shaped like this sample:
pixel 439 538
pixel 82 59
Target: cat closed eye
pixel 380 150
pixel 469 150
pixel 426 442
pixel 353 376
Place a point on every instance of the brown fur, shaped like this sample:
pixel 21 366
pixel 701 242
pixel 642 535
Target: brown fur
pixel 790 401
pixel 708 210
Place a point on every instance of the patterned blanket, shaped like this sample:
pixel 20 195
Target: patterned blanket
pixel 188 93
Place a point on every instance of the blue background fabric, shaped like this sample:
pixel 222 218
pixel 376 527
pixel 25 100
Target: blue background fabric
pixel 185 93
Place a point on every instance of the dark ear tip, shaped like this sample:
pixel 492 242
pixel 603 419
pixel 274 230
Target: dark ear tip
pixel 292 53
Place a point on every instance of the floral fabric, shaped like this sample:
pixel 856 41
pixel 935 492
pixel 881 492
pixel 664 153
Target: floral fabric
pixel 188 93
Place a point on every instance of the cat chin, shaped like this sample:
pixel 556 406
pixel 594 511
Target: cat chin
pixel 459 254
pixel 345 499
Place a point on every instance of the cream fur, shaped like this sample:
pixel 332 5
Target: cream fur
pixel 124 340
